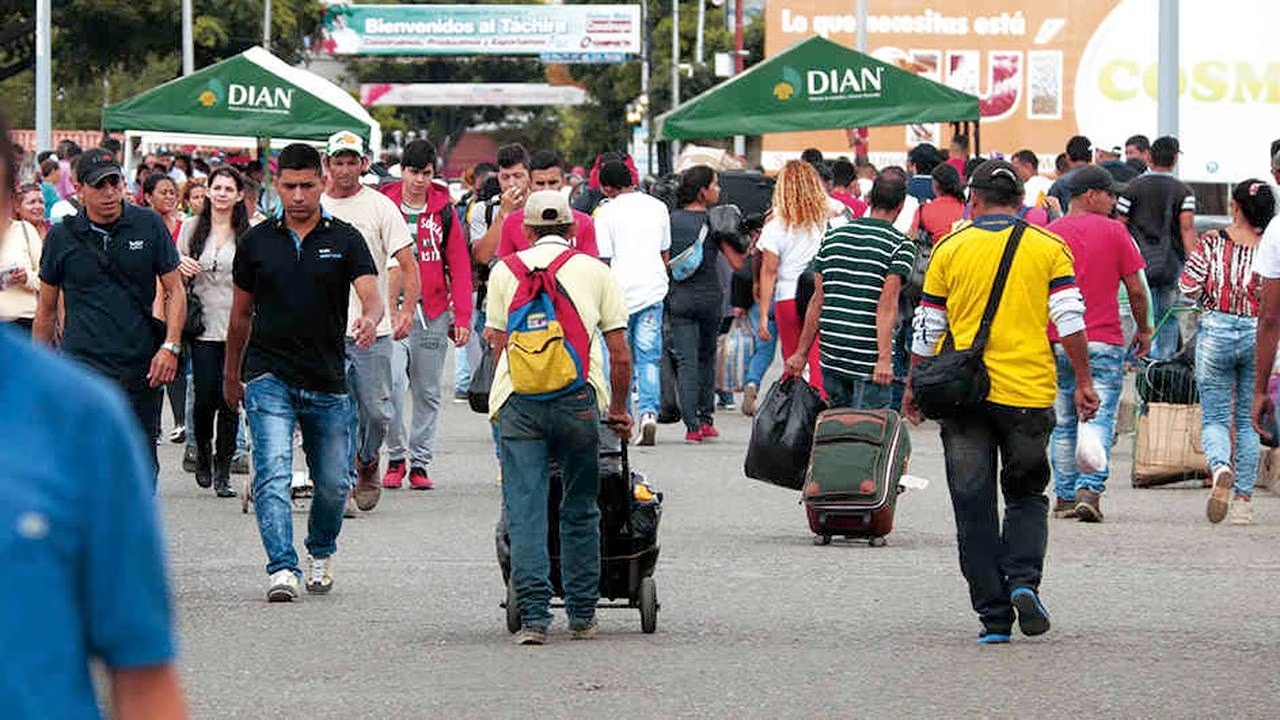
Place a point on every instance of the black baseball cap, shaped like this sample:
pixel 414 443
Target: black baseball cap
pixel 1092 177
pixel 995 175
pixel 96 164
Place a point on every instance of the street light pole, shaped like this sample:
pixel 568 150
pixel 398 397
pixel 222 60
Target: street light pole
pixel 44 83
pixel 1167 76
pixel 702 23
pixel 675 54
pixel 188 44
pixel 266 24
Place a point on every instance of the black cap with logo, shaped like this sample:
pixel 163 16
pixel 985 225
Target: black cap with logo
pixel 95 165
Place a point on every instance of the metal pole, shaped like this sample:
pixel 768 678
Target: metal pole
pixel 702 23
pixel 739 141
pixel 675 54
pixel 188 44
pixel 44 83
pixel 266 24
pixel 645 69
pixel 1167 78
pixel 862 26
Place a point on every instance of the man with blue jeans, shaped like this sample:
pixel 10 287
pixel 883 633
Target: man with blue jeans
pixel 293 277
pixel 858 275
pixel 536 428
pixel 1105 259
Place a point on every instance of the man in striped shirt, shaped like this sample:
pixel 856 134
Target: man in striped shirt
pixel 858 273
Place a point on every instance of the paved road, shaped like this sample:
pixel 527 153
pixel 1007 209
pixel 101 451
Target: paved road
pixel 1156 613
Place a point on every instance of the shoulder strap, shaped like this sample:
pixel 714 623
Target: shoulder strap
pixel 997 290
pixel 517 266
pixel 108 263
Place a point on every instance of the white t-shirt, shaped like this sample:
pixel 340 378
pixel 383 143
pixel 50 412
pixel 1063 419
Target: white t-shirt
pixel 380 222
pixel 1036 188
pixel 795 249
pixel 632 232
pixel 61 209
pixel 1266 259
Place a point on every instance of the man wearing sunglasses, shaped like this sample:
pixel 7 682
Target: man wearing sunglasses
pixel 103 263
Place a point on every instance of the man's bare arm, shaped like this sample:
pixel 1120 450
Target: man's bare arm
pixel 42 331
pixel 147 694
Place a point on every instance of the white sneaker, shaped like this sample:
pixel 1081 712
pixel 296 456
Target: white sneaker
pixel 320 576
pixel 648 429
pixel 283 586
pixel 1241 512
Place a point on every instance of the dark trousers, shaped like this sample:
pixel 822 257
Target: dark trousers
pixel 207 359
pixel 693 343
pixel 146 402
pixel 997 560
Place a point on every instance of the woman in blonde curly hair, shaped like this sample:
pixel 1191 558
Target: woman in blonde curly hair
pixel 788 243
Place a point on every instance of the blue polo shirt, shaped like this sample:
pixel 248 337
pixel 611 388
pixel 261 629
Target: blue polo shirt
pixel 80 540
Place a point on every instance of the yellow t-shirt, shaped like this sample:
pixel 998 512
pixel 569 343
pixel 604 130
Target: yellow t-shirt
pixel 959 280
pixel 592 289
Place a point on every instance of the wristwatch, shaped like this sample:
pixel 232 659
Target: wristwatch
pixel 174 348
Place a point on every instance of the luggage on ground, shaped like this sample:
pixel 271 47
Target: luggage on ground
pixel 739 346
pixel 858 459
pixel 782 433
pixel 1168 448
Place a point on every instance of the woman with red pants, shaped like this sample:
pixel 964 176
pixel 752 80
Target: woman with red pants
pixel 788 243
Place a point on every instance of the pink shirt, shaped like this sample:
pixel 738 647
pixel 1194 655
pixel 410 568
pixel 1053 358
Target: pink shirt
pixel 1104 255
pixel 856 206
pixel 513 239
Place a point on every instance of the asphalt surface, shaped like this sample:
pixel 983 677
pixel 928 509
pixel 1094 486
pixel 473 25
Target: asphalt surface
pixel 1156 613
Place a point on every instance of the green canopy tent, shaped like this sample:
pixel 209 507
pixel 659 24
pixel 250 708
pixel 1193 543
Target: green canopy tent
pixel 250 96
pixel 817 84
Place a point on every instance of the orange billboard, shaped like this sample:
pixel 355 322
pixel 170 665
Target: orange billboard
pixel 1049 69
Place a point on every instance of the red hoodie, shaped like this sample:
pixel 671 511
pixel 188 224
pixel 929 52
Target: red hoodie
pixel 446 277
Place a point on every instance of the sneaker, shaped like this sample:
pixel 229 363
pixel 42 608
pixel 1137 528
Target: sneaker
pixel 189 460
pixel 349 509
pixel 724 400
pixel 460 396
pixel 301 492
pixel 282 587
pixel 1033 619
pixel 693 436
pixel 1064 509
pixel 1241 512
pixel 178 435
pixel 395 475
pixel 531 636
pixel 707 431
pixel 320 579
pixel 368 490
pixel 993 638
pixel 418 480
pixel 749 400
pixel 240 464
pixel 1220 496
pixel 584 630
pixel 1089 506
pixel 648 429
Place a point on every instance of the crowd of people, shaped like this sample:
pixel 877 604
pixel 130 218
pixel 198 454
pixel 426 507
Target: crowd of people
pixel 323 315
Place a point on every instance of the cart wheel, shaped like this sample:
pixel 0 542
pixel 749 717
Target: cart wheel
pixel 648 605
pixel 878 542
pixel 821 540
pixel 513 611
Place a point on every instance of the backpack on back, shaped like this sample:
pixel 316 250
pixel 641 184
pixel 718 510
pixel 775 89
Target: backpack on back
pixel 548 347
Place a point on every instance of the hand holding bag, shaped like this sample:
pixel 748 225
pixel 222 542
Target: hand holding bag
pixel 956 381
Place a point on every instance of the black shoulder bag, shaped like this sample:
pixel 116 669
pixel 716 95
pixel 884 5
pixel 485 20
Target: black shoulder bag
pixel 159 330
pixel 956 381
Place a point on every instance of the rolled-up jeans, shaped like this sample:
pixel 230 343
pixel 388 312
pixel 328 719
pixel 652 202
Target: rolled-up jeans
pixel 1106 364
pixel 369 384
pixel 429 347
pixel 534 432
pixel 1225 372
pixel 274 407
pixel 644 335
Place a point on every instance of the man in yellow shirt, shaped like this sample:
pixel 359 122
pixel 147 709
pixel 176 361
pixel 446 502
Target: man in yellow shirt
pixel 1003 567
pixel 534 428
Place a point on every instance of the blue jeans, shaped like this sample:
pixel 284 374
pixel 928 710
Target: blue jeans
pixel 857 393
pixel 1225 373
pixel 533 432
pixel 274 407
pixel 1106 364
pixel 1165 342
pixel 763 357
pixel 644 335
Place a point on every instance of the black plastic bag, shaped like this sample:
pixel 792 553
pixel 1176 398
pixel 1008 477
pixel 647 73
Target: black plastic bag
pixel 782 433
pixel 1169 381
pixel 726 226
pixel 481 382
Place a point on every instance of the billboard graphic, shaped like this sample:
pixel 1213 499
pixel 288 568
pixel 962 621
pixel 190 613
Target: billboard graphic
pixel 470 94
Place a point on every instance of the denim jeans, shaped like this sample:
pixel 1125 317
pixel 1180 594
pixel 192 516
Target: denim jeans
pixel 369 385
pixel 996 560
pixel 857 393
pixel 397 436
pixel 763 357
pixel 693 341
pixel 1106 364
pixel 1225 374
pixel 274 408
pixel 644 335
pixel 534 432
pixel 1165 342
pixel 428 351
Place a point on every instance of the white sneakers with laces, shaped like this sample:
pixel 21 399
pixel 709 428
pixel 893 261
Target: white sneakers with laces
pixel 282 587
pixel 320 577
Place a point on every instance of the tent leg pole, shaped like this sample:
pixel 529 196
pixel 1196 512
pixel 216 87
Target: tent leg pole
pixel 977 137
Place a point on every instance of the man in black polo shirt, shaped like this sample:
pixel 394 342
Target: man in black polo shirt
pixel 103 263
pixel 293 276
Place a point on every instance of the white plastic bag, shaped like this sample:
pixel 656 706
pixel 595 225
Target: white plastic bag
pixel 1091 452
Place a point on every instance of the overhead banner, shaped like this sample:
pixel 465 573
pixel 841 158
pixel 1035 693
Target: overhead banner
pixel 470 94
pixel 610 30
pixel 1050 69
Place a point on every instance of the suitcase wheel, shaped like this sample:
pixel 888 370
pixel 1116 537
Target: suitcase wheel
pixel 648 601
pixel 822 540
pixel 513 611
pixel 877 542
